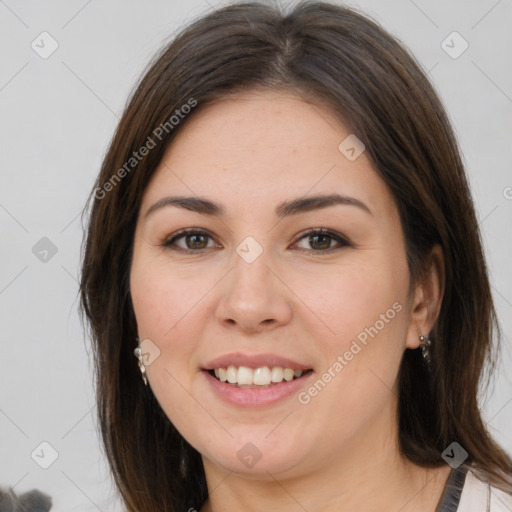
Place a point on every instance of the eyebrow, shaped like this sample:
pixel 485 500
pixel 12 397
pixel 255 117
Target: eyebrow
pixel 285 209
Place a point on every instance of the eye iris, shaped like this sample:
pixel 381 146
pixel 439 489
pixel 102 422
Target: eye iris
pixel 324 245
pixel 194 237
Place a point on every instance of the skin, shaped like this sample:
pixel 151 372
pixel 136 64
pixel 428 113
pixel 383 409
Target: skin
pixel 338 452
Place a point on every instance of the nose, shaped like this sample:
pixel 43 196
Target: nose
pixel 254 297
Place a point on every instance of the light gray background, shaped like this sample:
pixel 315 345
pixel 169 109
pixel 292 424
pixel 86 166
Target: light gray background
pixel 57 117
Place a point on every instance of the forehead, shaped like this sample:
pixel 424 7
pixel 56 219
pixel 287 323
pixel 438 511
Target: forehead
pixel 262 146
pixel 259 125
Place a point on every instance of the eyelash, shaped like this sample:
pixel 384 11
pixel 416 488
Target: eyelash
pixel 170 242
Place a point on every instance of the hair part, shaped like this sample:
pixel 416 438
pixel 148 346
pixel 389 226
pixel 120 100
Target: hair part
pixel 331 55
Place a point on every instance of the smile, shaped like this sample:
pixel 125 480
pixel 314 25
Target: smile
pixel 262 377
pixel 257 395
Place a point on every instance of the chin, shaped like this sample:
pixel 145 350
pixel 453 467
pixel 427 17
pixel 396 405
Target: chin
pixel 259 459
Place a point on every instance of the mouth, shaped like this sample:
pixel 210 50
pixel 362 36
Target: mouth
pixel 256 378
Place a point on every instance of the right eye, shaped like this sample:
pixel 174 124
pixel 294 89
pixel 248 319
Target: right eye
pixel 194 241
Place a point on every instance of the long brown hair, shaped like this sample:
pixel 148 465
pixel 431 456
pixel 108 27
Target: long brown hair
pixel 329 54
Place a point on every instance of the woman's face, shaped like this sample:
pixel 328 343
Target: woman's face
pixel 258 292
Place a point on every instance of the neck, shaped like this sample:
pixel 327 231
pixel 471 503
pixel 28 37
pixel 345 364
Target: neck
pixel 366 474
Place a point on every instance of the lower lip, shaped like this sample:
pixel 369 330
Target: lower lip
pixel 256 397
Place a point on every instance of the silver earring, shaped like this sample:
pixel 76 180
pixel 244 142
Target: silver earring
pixel 138 355
pixel 426 343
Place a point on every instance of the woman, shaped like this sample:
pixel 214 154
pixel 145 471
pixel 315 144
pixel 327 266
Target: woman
pixel 283 234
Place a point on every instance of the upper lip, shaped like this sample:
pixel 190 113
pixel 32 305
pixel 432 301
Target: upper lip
pixel 254 361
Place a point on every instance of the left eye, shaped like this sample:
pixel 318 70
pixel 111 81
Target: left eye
pixel 322 239
pixel 196 241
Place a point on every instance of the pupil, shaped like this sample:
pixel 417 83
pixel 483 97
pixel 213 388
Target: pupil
pixel 194 237
pixel 326 239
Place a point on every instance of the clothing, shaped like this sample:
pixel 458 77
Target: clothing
pixel 464 492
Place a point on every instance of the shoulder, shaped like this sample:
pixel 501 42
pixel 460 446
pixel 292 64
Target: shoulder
pixel 479 496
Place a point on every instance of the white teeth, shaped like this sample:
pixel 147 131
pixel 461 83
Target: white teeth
pixel 261 376
pixel 288 374
pixel 232 374
pixel 277 374
pixel 244 376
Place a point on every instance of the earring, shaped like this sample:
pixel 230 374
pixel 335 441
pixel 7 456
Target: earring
pixel 138 354
pixel 426 343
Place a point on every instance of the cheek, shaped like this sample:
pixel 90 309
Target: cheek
pixel 166 309
pixel 164 299
pixel 161 306
pixel 348 300
pixel 364 316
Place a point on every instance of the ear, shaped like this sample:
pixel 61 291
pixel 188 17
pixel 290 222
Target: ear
pixel 427 298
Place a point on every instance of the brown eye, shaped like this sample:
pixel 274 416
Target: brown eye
pixel 320 240
pixel 197 241
pixel 194 241
pixel 323 244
